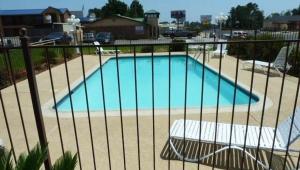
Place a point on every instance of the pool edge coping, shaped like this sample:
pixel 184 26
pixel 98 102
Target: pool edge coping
pixel 49 111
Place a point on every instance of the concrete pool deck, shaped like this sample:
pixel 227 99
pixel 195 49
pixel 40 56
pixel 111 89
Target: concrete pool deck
pixel 145 121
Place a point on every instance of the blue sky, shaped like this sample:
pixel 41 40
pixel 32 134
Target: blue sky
pixel 194 8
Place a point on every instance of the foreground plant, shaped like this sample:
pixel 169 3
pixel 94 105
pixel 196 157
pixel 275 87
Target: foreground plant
pixel 35 159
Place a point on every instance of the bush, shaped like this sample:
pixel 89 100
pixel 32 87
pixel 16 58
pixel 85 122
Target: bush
pixel 70 52
pixel 5 79
pixel 146 49
pixel 54 55
pixel 35 159
pixel 259 51
pixel 178 45
pixel 294 60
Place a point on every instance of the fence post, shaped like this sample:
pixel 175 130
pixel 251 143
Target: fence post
pixel 299 32
pixel 34 94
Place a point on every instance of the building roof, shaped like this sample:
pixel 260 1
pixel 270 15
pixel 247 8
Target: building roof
pixel 136 20
pixel 285 19
pixel 152 11
pixel 28 11
pixel 132 19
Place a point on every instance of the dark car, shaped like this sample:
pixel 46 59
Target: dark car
pixel 179 33
pixel 88 37
pixel 104 37
pixel 58 37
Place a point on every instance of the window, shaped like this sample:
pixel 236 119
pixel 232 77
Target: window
pixel 139 29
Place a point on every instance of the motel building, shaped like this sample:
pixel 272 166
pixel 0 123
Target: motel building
pixel 123 27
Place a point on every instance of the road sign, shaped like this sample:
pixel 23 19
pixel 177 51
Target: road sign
pixel 206 19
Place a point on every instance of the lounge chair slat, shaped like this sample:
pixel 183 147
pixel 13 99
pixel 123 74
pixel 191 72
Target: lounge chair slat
pixel 196 130
pixel 204 130
pixel 264 137
pixel 212 131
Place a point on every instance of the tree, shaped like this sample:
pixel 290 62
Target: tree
pixel 96 11
pixel 136 10
pixel 296 11
pixel 114 7
pixel 272 15
pixel 245 17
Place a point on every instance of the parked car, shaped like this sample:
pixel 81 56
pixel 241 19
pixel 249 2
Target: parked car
pixel 104 37
pixel 88 37
pixel 59 37
pixel 240 34
pixel 179 33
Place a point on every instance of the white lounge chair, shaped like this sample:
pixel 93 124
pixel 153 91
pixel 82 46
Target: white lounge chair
pixel 278 64
pixel 218 51
pixel 193 47
pixel 100 49
pixel 192 133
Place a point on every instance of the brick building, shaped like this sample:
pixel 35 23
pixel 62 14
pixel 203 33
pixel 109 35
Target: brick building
pixel 123 27
pixel 37 21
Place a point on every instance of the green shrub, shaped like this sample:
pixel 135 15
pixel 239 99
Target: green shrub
pixel 34 160
pixel 70 52
pixel 146 49
pixel 54 55
pixel 5 79
pixel 178 45
pixel 259 51
pixel 294 60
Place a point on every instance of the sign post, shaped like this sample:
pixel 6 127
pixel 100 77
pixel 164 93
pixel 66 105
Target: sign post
pixel 179 15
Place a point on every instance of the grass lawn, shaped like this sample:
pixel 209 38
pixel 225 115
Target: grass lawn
pixel 17 59
pixel 38 54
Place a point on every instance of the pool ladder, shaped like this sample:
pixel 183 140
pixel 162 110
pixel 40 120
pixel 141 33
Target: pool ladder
pixel 197 55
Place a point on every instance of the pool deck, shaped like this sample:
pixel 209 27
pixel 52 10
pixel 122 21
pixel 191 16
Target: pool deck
pixel 129 121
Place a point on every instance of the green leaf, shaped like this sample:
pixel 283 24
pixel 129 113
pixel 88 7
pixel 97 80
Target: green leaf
pixel 5 160
pixel 66 162
pixel 34 160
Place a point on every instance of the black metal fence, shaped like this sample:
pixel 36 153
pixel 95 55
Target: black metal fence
pixel 144 139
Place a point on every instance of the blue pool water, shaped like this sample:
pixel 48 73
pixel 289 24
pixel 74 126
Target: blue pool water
pixel 161 86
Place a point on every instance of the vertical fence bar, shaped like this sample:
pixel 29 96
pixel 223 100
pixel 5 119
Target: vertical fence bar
pixel 34 95
pixel 72 108
pixel 169 107
pixel 88 107
pixel 294 109
pixel 185 101
pixel 218 103
pixel 136 107
pixel 297 51
pixel 279 106
pixel 292 122
pixel 8 128
pixel 233 106
pixel 263 112
pixel 120 107
pixel 12 74
pixel 54 99
pixel 249 107
pixel 104 110
pixel 201 105
pixel 153 105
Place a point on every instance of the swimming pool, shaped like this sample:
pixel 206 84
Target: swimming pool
pixel 161 86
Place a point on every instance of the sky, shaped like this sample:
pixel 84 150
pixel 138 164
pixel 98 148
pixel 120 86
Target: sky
pixel 194 8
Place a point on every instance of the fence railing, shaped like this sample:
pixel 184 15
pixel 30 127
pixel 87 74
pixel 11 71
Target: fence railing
pixel 208 104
